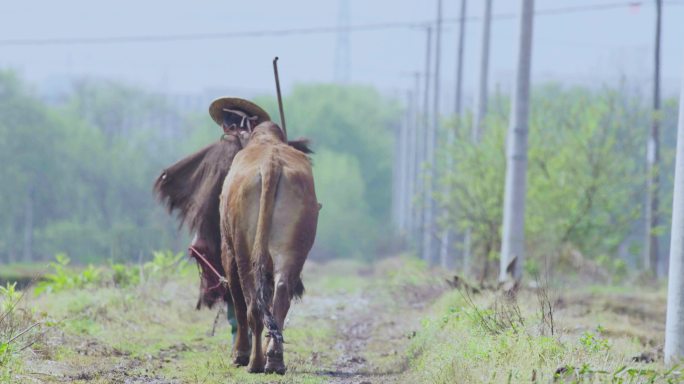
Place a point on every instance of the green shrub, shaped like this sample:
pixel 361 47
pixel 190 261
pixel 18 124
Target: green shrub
pixel 9 296
pixel 165 264
pixel 125 275
pixel 6 361
pixel 593 342
pixel 65 278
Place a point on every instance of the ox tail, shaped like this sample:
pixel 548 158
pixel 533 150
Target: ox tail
pixel 270 176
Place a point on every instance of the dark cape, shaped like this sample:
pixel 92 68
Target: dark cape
pixel 191 188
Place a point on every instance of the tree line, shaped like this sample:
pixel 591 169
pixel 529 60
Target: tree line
pixel 77 173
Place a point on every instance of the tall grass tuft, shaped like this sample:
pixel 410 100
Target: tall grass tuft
pixel 19 330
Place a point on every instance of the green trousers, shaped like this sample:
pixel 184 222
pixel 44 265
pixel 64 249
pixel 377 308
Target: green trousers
pixel 232 320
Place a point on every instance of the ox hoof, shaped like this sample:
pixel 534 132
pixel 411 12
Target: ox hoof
pixel 255 369
pixel 275 367
pixel 241 360
pixel 256 365
pixel 275 362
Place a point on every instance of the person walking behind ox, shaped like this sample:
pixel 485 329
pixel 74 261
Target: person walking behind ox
pixel 191 188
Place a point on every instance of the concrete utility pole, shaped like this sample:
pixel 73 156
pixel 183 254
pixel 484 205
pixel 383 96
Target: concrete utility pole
pixel 482 95
pixel 458 108
pixel 425 190
pixel 513 240
pixel 416 158
pixel 413 159
pixel 395 181
pixel 428 245
pixel 448 234
pixel 405 199
pixel 674 326
pixel 480 109
pixel 651 259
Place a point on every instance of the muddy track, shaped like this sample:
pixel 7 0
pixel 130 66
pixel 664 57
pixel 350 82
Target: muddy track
pixel 109 365
pixel 372 336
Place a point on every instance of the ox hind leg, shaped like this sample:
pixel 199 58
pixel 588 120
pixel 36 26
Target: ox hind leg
pixel 288 284
pixel 254 319
pixel 241 347
pixel 256 358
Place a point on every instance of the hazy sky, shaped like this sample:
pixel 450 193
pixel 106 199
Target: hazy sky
pixel 582 47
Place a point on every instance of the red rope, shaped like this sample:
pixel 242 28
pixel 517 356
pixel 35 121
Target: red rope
pixel 222 280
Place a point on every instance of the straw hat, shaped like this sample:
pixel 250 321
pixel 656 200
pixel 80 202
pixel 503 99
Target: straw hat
pixel 219 105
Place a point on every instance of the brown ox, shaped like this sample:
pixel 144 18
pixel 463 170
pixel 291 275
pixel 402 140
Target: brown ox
pixel 269 214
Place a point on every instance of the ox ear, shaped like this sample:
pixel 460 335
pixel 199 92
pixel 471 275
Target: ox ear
pixel 244 137
pixel 301 144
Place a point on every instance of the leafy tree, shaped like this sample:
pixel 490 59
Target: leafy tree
pixel 74 184
pixel 583 182
pixel 33 174
pixel 345 226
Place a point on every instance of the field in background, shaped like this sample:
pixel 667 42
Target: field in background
pixel 391 322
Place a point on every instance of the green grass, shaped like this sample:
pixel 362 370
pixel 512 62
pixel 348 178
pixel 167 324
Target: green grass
pixel 454 346
pixel 153 327
pixel 420 332
pixel 214 366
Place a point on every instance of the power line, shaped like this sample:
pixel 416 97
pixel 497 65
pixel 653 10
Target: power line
pixel 206 36
pixel 304 31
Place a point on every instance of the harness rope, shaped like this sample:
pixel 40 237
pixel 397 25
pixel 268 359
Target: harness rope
pixel 272 328
pixel 222 279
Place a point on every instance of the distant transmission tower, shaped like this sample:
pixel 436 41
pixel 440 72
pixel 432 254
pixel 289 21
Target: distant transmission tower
pixel 342 53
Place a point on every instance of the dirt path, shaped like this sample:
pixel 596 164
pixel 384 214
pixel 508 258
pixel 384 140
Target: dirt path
pixel 356 320
pixel 373 327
